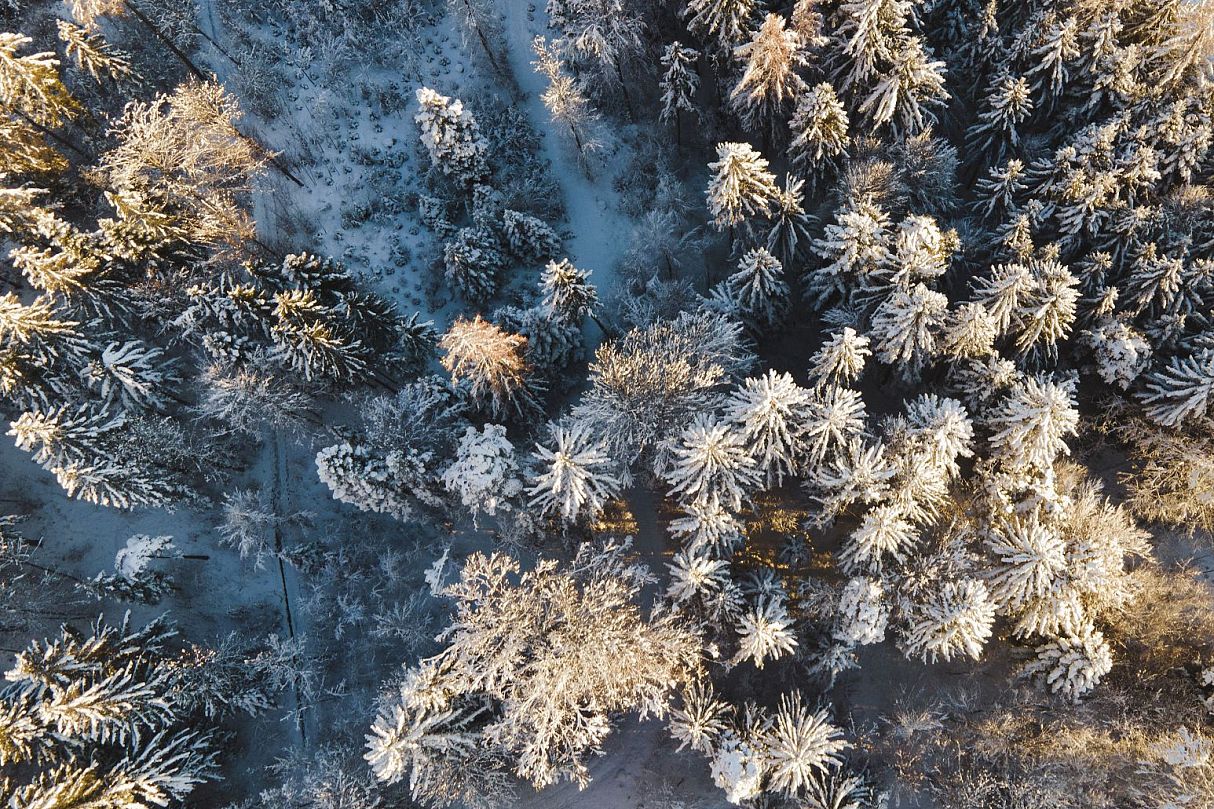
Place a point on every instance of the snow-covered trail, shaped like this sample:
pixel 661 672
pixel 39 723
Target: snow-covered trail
pixel 600 231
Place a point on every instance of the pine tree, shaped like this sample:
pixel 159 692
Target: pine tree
pixel 93 54
pixel 1058 48
pixel 491 361
pixel 856 245
pixel 840 360
pixel 819 127
pixel 576 477
pixel 1031 424
pixel 1122 352
pixel 884 533
pixel 651 382
pixel 741 185
pixel 969 332
pixel 956 620
pixel 1072 665
pixel 564 97
pixel 1008 103
pixel 710 462
pixel 1182 390
pixel 771 410
pixel 130 376
pixel 1047 312
pixel 95 720
pixel 863 612
pixel 765 633
pixel 30 85
pixel 356 476
pixel 605 33
pixel 836 418
pixel 473 259
pixel 769 82
pixel 904 96
pixel 1029 562
pixel 701 721
pixel 758 289
pixel 723 23
pixel 906 326
pixel 707 527
pixel 800 744
pixel 679 85
pixel 451 136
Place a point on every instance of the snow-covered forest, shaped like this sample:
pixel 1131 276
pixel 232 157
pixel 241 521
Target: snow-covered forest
pixel 671 404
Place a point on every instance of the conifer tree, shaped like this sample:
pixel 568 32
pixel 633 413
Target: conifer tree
pixel 758 289
pixel 906 327
pixel 1181 390
pixel 679 85
pixel 741 185
pixel 769 83
pixel 721 23
pixel 819 128
pixel 96 719
pixel 473 259
pixel 790 224
pixel 771 410
pixel 491 361
pixel 568 293
pixel 451 136
pixel 30 87
pixel 576 476
pixel 840 360
pixel 710 462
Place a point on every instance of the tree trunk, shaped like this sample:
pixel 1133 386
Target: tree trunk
pixel 50 133
pixel 168 43
pixel 624 89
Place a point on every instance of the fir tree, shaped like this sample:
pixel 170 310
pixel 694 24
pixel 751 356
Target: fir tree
pixel 771 411
pixel 758 289
pixel 741 185
pixel 576 477
pixel 769 82
pixel 451 136
pixel 679 85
